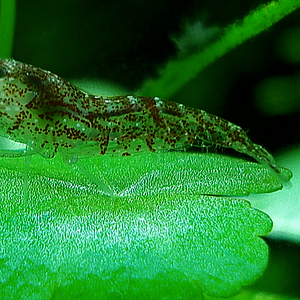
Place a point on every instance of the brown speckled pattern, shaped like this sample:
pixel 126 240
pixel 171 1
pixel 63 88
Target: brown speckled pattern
pixel 51 116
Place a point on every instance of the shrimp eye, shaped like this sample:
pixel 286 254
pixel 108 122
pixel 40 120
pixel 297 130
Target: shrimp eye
pixel 3 72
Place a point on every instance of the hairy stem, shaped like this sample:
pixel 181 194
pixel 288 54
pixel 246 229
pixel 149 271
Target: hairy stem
pixel 178 72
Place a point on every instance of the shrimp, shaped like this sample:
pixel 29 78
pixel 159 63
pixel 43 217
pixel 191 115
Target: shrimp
pixel 50 115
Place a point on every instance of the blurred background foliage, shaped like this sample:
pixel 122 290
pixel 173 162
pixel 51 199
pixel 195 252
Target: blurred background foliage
pixel 256 85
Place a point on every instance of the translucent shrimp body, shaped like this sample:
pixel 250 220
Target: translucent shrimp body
pixel 50 115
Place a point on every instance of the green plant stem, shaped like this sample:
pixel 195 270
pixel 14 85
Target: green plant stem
pixel 178 72
pixel 7 24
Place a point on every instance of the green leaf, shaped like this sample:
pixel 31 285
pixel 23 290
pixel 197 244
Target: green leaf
pixel 284 207
pixel 254 295
pixel 158 235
